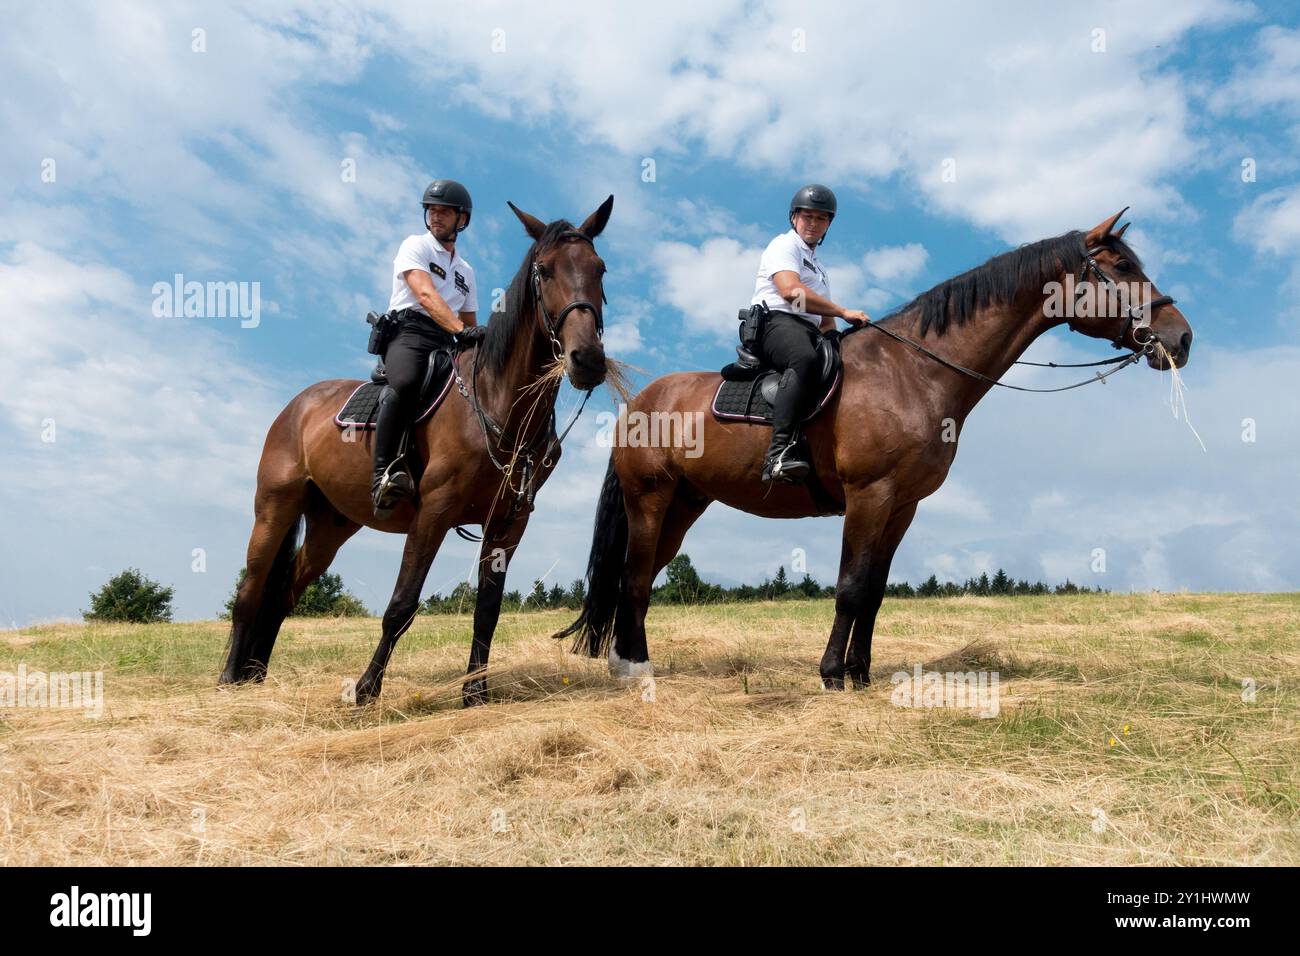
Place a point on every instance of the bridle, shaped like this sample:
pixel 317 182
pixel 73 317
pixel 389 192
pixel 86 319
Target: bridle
pixel 520 451
pixel 1135 316
pixel 553 324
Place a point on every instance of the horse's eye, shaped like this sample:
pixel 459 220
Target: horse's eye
pixel 1124 265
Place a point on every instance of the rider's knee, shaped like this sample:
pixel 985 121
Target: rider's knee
pixel 804 365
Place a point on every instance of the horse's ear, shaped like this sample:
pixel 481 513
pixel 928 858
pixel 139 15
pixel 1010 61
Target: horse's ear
pixel 532 225
pixel 1119 233
pixel 595 223
pixel 1098 233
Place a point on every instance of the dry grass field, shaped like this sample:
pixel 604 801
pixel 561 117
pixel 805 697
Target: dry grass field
pixel 1122 738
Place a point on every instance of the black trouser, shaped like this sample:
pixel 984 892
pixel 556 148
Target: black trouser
pixel 406 359
pixel 790 345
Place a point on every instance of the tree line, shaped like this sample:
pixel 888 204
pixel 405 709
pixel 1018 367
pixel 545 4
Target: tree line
pixel 130 596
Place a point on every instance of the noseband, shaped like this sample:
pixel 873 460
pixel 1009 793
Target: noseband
pixel 1135 316
pixel 553 324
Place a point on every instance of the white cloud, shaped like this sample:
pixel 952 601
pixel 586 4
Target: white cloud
pixel 708 283
pixel 1271 223
pixel 1033 156
pixel 891 264
pixel 1269 77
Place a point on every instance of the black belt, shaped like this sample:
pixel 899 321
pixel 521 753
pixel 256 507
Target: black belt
pixel 417 321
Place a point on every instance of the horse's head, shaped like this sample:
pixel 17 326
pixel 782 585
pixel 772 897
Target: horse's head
pixel 1127 307
pixel 567 287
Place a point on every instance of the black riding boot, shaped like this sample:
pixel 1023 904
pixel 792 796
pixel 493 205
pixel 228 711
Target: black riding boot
pixel 391 482
pixel 784 461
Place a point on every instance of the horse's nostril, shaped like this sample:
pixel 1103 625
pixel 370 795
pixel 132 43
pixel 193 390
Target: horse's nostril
pixel 1185 343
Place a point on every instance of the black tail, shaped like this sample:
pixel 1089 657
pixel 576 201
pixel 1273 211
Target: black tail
pixel 595 625
pixel 281 576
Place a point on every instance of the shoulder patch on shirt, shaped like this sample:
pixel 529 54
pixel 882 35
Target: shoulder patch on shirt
pixel 437 270
pixel 461 284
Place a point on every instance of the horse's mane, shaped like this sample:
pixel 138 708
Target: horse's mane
pixel 504 326
pixel 1001 278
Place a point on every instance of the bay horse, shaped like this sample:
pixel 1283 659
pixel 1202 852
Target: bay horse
pixel 484 459
pixel 881 445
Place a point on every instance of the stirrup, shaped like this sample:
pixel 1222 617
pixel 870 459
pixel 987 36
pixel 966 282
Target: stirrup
pixel 778 468
pixel 391 489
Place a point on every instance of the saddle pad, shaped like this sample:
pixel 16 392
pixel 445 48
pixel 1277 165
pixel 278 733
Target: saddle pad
pixel 359 410
pixel 744 401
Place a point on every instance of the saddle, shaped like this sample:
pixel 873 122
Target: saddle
pixel 359 409
pixel 748 388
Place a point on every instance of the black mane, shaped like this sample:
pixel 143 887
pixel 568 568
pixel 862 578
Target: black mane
pixel 1001 278
pixel 503 326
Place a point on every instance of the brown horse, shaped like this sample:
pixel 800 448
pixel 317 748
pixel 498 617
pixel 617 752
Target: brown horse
pixel 882 444
pixel 313 471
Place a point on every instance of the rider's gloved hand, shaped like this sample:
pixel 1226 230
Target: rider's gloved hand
pixel 470 335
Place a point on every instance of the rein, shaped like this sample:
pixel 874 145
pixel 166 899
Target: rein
pixel 1135 318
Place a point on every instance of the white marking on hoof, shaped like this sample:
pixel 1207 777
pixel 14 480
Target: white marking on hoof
pixel 628 670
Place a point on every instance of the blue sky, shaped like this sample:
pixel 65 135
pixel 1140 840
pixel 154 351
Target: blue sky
pixel 224 164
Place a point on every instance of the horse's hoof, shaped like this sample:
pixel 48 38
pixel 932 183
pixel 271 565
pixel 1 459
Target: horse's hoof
pixel 861 679
pixel 628 670
pixel 366 692
pixel 474 693
pixel 832 683
pixel 252 672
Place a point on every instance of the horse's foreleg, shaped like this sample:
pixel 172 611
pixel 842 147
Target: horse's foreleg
pixel 629 655
pixel 499 543
pixel 866 513
pixel 858 662
pixel 422 543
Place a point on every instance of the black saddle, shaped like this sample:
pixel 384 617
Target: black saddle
pixel 748 388
pixel 359 410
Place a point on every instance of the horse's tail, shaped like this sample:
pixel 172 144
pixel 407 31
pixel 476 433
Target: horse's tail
pixel 595 625
pixel 280 577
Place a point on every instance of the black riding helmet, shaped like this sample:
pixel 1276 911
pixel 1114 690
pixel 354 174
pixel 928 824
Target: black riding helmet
pixel 814 196
pixel 448 192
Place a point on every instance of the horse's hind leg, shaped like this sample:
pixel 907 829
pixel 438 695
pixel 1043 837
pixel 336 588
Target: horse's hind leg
pixel 327 530
pixel 270 555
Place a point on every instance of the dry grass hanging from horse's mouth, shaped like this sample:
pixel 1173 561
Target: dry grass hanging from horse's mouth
pixel 1177 389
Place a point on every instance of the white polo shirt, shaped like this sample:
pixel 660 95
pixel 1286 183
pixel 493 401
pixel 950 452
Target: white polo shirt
pixel 789 253
pixel 452 276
